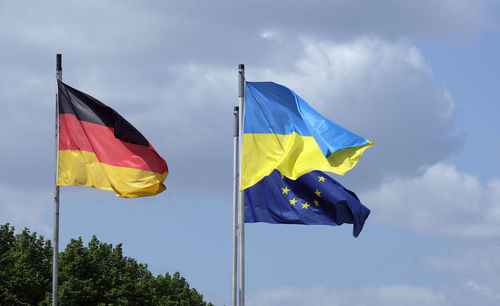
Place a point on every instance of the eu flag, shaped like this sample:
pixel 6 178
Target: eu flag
pixel 313 199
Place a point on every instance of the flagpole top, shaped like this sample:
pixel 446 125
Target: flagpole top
pixel 58 62
pixel 241 80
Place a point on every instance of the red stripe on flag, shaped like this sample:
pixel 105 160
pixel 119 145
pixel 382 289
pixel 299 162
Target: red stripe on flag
pixel 86 136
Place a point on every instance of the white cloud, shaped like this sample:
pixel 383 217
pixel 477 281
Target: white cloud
pixel 440 201
pixel 478 265
pixel 379 89
pixel 485 290
pixel 179 90
pixel 470 261
pixel 382 90
pixel 270 34
pixel 367 296
pixel 216 31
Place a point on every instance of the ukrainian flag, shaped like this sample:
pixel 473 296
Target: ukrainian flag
pixel 282 132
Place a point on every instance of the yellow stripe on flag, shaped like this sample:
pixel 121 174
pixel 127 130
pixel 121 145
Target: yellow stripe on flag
pixel 292 155
pixel 84 169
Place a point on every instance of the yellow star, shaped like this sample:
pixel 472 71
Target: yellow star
pixel 285 190
pixel 305 205
pixel 317 193
pixel 316 203
pixel 293 201
pixel 321 178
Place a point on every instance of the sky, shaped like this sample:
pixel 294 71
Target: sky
pixel 418 78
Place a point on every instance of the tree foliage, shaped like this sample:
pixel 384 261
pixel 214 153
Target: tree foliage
pixel 25 267
pixel 96 274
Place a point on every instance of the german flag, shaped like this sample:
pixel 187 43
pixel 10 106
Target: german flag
pixel 99 148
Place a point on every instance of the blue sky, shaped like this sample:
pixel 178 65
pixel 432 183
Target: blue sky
pixel 418 79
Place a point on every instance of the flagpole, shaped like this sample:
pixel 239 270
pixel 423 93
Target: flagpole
pixel 241 208
pixel 55 238
pixel 236 191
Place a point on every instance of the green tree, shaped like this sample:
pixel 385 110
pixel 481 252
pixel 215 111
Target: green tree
pixel 25 267
pixel 174 290
pixel 96 274
pixel 100 274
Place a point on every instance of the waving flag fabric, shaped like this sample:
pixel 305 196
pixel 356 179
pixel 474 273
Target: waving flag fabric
pixel 312 199
pixel 99 148
pixel 282 132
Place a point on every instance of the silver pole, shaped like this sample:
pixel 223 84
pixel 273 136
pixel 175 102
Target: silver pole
pixel 236 191
pixel 241 209
pixel 55 238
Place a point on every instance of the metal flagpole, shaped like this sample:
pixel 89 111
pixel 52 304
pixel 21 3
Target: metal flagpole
pixel 241 198
pixel 55 238
pixel 236 191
